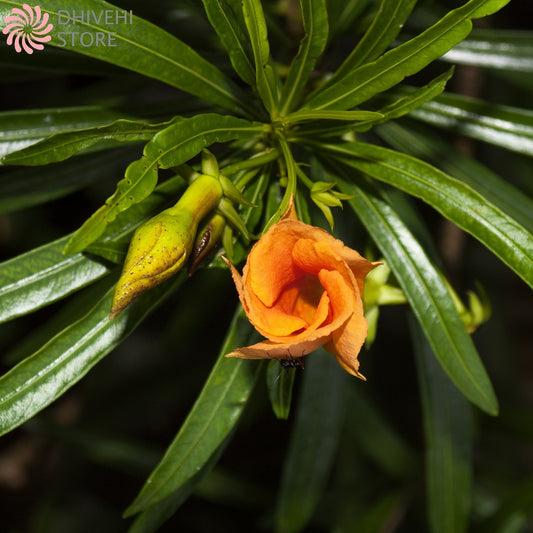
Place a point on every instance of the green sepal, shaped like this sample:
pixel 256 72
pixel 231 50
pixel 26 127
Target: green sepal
pixel 227 243
pixel 232 193
pixel 226 209
pixel 209 163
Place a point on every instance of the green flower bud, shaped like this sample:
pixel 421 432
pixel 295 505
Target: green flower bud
pixel 161 246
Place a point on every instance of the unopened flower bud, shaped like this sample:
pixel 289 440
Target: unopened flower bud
pixel 161 246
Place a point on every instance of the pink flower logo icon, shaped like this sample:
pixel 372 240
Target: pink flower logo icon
pixel 27 28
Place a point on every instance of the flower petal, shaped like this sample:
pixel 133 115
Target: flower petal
pixel 347 341
pixel 356 262
pixel 277 350
pixel 270 266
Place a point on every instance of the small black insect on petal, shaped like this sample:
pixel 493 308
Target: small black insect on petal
pixel 292 363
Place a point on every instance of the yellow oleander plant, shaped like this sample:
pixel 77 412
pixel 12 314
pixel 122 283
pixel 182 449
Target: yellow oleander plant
pixel 215 215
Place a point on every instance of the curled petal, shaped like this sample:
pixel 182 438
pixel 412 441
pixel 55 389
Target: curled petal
pixel 347 341
pixel 276 350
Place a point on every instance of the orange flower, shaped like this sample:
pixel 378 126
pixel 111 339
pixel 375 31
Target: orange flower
pixel 302 289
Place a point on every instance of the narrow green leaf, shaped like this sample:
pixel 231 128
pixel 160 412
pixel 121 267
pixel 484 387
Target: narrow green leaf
pixel 310 114
pixel 415 98
pixel 265 76
pixel 26 187
pixel 182 141
pixel 419 141
pixel 70 311
pixel 137 45
pixel 315 21
pixel 170 147
pixel 426 292
pixel 61 146
pixel 398 108
pixel 233 37
pixel 458 202
pixel 211 419
pixel 41 378
pixel 19 129
pixel 44 275
pixel 155 516
pixel 505 126
pixel 128 192
pixel 386 25
pixel 313 442
pixel 367 80
pixel 279 383
pixel 448 434
pixel 495 49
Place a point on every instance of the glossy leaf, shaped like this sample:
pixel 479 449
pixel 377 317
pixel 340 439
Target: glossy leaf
pixel 19 129
pixel 426 145
pixel 26 187
pixel 265 76
pixel 384 28
pixel 233 37
pixel 170 147
pixel 157 55
pixel 315 21
pixel 72 310
pixel 512 243
pixel 310 114
pixel 41 378
pixel 61 146
pixel 448 434
pixel 415 98
pixel 155 516
pixel 398 108
pixel 313 442
pixel 495 49
pixel 408 58
pixel 211 419
pixel 182 141
pixel 426 292
pixel 505 126
pixel 44 275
